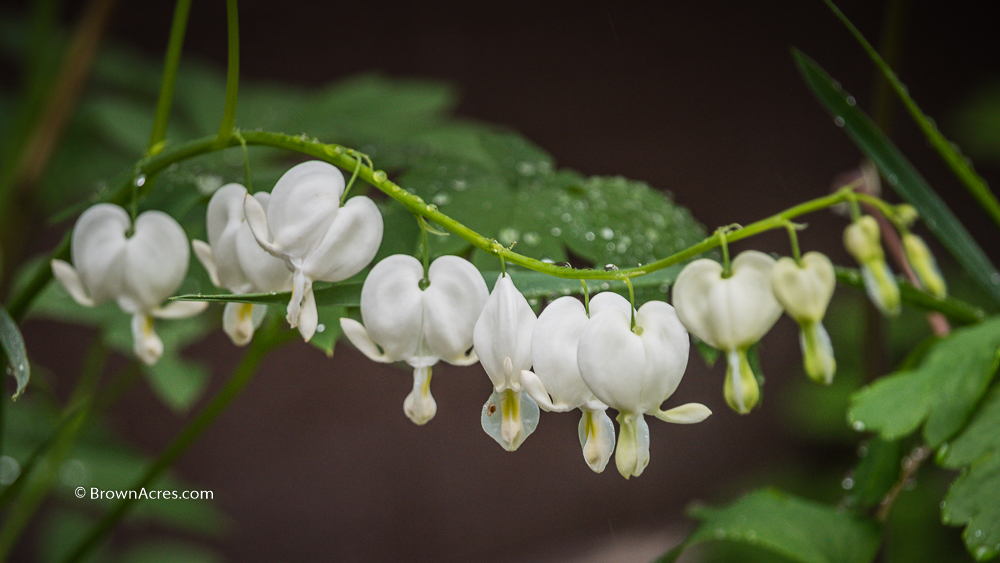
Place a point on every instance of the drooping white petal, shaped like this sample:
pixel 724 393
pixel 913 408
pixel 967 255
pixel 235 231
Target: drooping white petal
pixel 239 323
pixel 256 218
pixel 264 271
pixel 609 300
pixel 817 353
pixel 727 313
pixel 349 244
pixel 804 290
pixel 689 413
pixel 420 405
pixel 155 262
pixel 666 346
pixel 509 417
pixel 554 345
pixel 203 252
pixel 304 202
pixel 358 336
pixel 145 343
pixel 223 220
pixel 502 335
pixel 597 438
pixel 452 304
pixel 392 307
pixel 179 309
pixel 612 359
pixel 70 279
pixel 632 453
pixel 97 247
pixel 309 316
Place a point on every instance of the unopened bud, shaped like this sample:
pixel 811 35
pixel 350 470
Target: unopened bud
pixel 924 265
pixel 741 389
pixel 861 239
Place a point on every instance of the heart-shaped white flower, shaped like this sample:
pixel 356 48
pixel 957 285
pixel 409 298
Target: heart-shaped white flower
pixel 319 240
pixel 420 326
pixel 634 370
pixel 235 261
pixel 139 271
pixel 730 313
pixel 804 290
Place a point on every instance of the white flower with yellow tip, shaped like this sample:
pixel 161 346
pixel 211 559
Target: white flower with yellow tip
pixel 804 289
pixel 420 325
pixel 555 382
pixel 139 268
pixel 634 370
pixel 502 339
pixel 235 261
pixel 730 313
pixel 318 239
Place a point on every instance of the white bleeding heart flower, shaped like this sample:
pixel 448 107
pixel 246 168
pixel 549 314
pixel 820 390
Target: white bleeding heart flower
pixel 139 271
pixel 235 261
pixel 318 239
pixel 634 370
pixel 924 265
pixel 804 289
pixel 730 313
pixel 862 239
pixel 555 382
pixel 502 339
pixel 419 325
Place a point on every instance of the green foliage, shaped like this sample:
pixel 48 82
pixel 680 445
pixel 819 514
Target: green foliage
pixel 790 527
pixel 901 175
pixel 13 352
pixel 943 390
pixel 974 500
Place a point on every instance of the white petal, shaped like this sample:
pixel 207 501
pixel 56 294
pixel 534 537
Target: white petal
pixel 419 405
pixel 509 417
pixel 452 304
pixel 502 335
pixel 612 360
pixel 685 414
pixel 238 322
pixel 309 317
pixel 256 219
pixel 303 204
pixel 666 345
pixel 597 438
pixel 223 219
pixel 690 298
pixel 349 244
pixel 301 285
pixel 358 336
pixel 179 309
pixel 554 351
pixel 155 262
pixel 145 343
pixel 70 280
pixel 534 387
pixel 804 291
pixel 203 251
pixel 392 307
pixel 609 300
pixel 264 271
pixel 98 246
pixel 632 453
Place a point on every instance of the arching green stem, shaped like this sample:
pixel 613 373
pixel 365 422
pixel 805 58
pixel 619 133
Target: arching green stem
pixel 350 184
pixel 726 270
pixel 586 297
pixel 793 238
pixel 232 74
pixel 172 61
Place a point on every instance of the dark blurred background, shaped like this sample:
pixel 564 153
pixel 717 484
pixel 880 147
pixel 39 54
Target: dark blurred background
pixel 316 461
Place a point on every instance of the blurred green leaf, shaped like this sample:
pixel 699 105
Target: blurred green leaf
pixel 794 528
pixel 944 390
pixel 949 151
pixel 978 438
pixel 170 551
pixel 328 329
pixel 901 175
pixel 14 352
pixel 974 500
pixel 60 532
pixel 977 122
pixel 876 473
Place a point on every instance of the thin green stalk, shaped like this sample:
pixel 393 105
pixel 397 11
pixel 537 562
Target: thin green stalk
pixel 958 164
pixel 265 340
pixel 793 237
pixel 171 63
pixel 232 74
pixel 57 450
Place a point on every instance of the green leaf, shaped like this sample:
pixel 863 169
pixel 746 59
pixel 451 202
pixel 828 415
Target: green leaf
pixel 328 329
pixel 949 151
pixel 876 473
pixel 901 175
pixel 974 500
pixel 170 551
pixel 341 294
pixel 979 437
pixel 16 354
pixel 943 390
pixel 791 527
